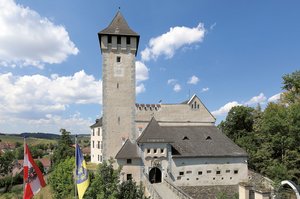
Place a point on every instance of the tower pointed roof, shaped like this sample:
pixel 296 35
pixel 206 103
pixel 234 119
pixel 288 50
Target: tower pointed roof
pixel 118 26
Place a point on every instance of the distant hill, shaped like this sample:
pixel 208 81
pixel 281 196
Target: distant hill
pixel 50 136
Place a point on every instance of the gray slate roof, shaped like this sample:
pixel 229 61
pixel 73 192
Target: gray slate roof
pixel 192 141
pixel 98 123
pixel 118 26
pixel 128 151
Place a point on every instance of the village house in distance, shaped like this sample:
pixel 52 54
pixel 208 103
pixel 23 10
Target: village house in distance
pixel 157 142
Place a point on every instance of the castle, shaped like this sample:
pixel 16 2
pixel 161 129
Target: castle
pixel 179 142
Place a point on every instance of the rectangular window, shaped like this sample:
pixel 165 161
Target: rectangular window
pixel 129 176
pixel 227 171
pixel 236 171
pixel 128 40
pixel 129 161
pixel 118 39
pixel 161 150
pixel 93 132
pixel 98 131
pixel 208 171
pixel 181 173
pixel 199 172
pixel 188 172
pixel 98 145
pixel 155 151
pixel 218 172
pixel 93 144
pixel 118 59
pixel 109 39
pixel 100 158
pixel 119 120
pixel 148 150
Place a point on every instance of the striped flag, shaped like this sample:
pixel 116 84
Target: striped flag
pixel 33 177
pixel 82 176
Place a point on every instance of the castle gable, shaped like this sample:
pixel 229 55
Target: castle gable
pixel 190 112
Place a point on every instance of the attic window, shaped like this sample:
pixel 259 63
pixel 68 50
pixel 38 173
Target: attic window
pixel 208 138
pixel 185 138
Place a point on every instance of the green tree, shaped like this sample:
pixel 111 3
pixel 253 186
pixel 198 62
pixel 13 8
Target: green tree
pixel 105 183
pixel 64 148
pixel 291 83
pixel 130 190
pixel 6 166
pixel 61 179
pixel 40 165
pixel 239 122
pixel 6 163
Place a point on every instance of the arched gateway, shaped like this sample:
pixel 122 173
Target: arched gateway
pixel 155 175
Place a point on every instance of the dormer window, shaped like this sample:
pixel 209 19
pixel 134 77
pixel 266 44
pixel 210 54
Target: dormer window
pixel 185 138
pixel 208 138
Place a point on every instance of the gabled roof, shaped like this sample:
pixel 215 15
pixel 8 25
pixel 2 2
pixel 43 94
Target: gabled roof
pixel 98 123
pixel 192 141
pixel 118 26
pixel 128 151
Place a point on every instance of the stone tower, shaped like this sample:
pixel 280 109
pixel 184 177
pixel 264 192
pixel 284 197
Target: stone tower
pixel 119 45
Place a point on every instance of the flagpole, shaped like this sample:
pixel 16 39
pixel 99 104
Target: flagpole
pixel 75 166
pixel 23 165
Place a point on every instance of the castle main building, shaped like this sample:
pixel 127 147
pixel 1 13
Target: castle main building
pixel 157 141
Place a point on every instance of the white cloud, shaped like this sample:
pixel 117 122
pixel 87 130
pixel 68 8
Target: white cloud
pixel 213 26
pixel 140 88
pixel 172 81
pixel 35 96
pixel 177 88
pixel 193 80
pixel 205 89
pixel 49 124
pixel 260 99
pixel 225 109
pixel 142 72
pixel 274 98
pixel 167 43
pixel 26 38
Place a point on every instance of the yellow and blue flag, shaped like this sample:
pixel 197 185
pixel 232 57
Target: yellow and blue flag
pixel 82 176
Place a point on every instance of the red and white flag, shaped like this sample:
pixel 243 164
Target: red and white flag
pixel 33 177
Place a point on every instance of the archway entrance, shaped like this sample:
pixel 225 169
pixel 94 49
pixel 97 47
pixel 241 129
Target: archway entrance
pixel 155 175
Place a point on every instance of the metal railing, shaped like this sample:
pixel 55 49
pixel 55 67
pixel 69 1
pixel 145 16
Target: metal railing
pixel 181 194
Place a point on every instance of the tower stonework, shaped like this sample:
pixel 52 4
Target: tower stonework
pixel 119 45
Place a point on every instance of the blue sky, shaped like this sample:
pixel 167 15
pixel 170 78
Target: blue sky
pixel 226 52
